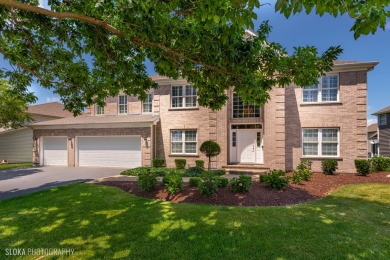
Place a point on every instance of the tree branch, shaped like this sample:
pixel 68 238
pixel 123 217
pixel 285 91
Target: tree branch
pixel 103 24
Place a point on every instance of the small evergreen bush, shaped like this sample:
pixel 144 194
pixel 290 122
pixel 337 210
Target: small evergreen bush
pixel 363 167
pixel 305 163
pixel 222 182
pixel 180 163
pixel 194 181
pixel 276 180
pixel 199 163
pixel 158 162
pixel 209 184
pixel 211 149
pixel 297 178
pixel 380 163
pixel 173 182
pixel 194 171
pixel 329 167
pixel 218 172
pixel 147 181
pixel 241 184
pixel 306 174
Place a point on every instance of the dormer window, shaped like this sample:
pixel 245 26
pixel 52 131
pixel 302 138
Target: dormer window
pixel 122 104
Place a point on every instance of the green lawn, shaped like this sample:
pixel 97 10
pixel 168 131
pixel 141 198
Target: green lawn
pixel 104 222
pixel 14 165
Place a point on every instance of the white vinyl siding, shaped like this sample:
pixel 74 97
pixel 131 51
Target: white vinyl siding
pixel 16 145
pixel 320 142
pixel 183 142
pixel 327 90
pixel 183 97
pixel 122 104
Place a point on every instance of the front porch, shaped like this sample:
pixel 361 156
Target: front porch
pixel 246 168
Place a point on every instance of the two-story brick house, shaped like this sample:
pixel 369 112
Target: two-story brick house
pixel 383 131
pixel 318 122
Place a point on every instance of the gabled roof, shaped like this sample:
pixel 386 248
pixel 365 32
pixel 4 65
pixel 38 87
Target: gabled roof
pixel 98 121
pixel 54 109
pixel 383 111
pixel 372 128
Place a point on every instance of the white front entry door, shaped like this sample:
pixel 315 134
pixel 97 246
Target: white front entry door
pixel 246 150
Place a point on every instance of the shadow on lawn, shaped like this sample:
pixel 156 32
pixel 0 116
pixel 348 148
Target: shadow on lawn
pixel 102 222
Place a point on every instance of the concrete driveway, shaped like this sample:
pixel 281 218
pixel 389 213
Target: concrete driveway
pixel 16 182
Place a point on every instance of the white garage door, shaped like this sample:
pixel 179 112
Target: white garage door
pixel 123 151
pixel 55 151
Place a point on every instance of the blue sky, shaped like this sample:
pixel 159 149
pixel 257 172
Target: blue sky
pixel 322 32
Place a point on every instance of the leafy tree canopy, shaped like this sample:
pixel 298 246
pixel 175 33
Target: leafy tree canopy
pixel 368 14
pixel 12 107
pixel 87 50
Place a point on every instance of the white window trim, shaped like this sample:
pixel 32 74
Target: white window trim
pixel 119 105
pixel 319 89
pixel 152 102
pixel 232 104
pixel 96 110
pixel 183 141
pixel 183 97
pixel 319 142
pixel 379 121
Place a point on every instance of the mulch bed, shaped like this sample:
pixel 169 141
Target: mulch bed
pixel 260 195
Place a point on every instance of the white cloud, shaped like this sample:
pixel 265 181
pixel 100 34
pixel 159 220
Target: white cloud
pixel 53 99
pixel 371 121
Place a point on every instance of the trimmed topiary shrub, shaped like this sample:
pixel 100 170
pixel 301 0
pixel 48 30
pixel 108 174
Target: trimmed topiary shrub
pixel 276 180
pixel 241 184
pixel 180 163
pixel 363 167
pixel 211 149
pixel 194 171
pixel 158 162
pixel 199 163
pixel 218 172
pixel 222 182
pixel 194 181
pixel 173 182
pixel 209 184
pixel 147 181
pixel 329 167
pixel 380 163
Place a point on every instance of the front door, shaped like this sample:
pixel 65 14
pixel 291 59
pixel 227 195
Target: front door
pixel 246 142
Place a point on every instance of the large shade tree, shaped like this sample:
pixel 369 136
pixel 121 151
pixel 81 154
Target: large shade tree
pixel 87 50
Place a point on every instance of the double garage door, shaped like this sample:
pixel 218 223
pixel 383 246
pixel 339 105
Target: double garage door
pixel 118 151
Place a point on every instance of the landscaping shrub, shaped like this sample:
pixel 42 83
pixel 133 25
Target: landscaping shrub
pixel 199 163
pixel 173 182
pixel 363 167
pixel 222 182
pixel 241 184
pixel 218 172
pixel 211 149
pixel 147 181
pixel 158 162
pixel 306 174
pixel 194 171
pixel 380 163
pixel 329 167
pixel 209 184
pixel 194 181
pixel 158 171
pixel 276 180
pixel 296 177
pixel 304 164
pixel 180 163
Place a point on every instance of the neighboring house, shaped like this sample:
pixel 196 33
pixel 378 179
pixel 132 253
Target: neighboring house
pixel 324 121
pixel 16 144
pixel 383 131
pixel 372 140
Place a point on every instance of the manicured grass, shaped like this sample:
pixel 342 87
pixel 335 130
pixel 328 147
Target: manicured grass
pixel 105 222
pixel 14 165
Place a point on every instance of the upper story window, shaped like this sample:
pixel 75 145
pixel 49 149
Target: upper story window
pixel 183 97
pixel 122 104
pixel 147 105
pixel 382 120
pixel 327 90
pixel 99 110
pixel 320 142
pixel 241 110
